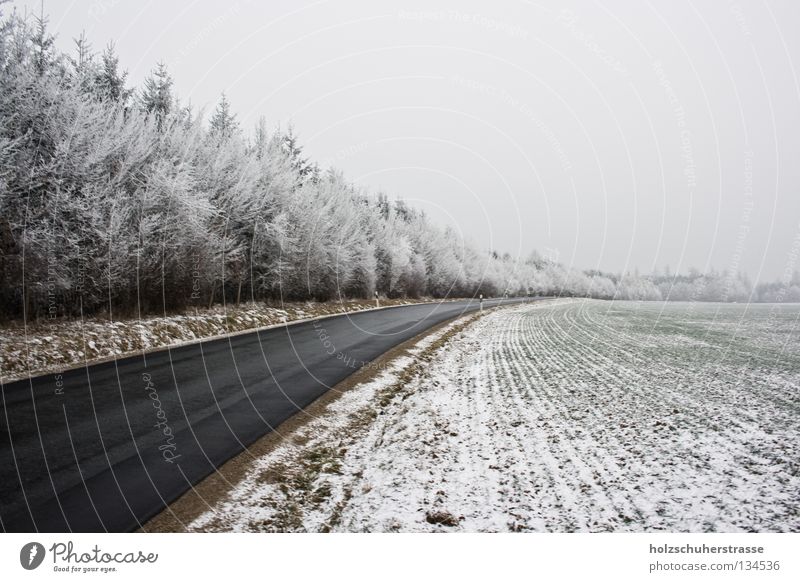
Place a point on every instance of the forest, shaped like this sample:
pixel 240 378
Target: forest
pixel 126 198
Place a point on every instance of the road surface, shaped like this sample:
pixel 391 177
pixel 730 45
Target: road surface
pixel 107 447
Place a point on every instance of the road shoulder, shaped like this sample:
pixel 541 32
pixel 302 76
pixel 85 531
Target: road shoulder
pixel 197 509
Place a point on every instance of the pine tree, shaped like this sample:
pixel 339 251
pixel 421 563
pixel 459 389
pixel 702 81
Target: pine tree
pixel 43 43
pixel 224 123
pixel 156 98
pixel 261 140
pixel 306 170
pixel 83 65
pixel 109 81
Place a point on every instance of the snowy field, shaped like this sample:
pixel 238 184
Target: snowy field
pixel 574 415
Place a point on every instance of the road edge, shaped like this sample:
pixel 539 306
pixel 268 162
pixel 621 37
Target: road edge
pixel 202 495
pixel 13 379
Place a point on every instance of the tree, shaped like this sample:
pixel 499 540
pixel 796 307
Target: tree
pixel 156 97
pixel 304 168
pixel 83 65
pixel 223 122
pixel 120 208
pixel 109 81
pixel 43 43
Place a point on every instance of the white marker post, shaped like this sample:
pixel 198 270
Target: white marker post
pixel 481 301
pixel 377 302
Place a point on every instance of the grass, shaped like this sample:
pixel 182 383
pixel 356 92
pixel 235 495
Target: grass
pixel 49 346
pixel 569 416
pixel 298 481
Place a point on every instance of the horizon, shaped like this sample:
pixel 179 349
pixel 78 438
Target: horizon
pixel 654 178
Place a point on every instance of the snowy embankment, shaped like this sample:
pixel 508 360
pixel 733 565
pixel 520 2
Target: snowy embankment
pixel 564 416
pixel 61 344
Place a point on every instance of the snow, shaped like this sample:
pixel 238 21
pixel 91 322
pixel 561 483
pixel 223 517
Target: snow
pixel 59 344
pixel 564 416
pixel 243 506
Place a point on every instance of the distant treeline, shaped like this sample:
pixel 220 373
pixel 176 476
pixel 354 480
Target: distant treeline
pixel 727 286
pixel 113 197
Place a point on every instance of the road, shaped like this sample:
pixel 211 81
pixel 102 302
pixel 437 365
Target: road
pixel 107 447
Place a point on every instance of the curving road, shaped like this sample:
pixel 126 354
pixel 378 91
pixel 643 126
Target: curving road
pixel 107 447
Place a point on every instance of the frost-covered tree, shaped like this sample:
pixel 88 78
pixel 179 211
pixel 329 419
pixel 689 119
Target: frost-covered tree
pixel 223 123
pixel 635 287
pixel 43 46
pixel 305 169
pixel 110 208
pixel 156 97
pixel 83 65
pixel 109 80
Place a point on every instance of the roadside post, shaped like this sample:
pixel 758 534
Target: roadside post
pixel 481 296
pixel 377 301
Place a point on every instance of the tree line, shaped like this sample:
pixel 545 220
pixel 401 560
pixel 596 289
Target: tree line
pixel 115 198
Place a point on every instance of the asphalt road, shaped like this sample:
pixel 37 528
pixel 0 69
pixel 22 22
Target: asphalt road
pixel 107 447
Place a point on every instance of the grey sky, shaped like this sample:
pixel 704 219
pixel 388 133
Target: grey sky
pixel 616 135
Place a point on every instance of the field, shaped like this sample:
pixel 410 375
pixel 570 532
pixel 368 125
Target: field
pixel 574 415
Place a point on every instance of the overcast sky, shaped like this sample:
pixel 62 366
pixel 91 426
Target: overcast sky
pixel 610 135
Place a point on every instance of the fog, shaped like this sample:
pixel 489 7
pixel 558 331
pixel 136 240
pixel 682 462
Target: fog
pixel 617 136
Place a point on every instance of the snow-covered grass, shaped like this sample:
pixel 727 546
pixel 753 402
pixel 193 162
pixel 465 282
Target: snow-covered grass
pixel 60 344
pixel 566 416
pixel 290 489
